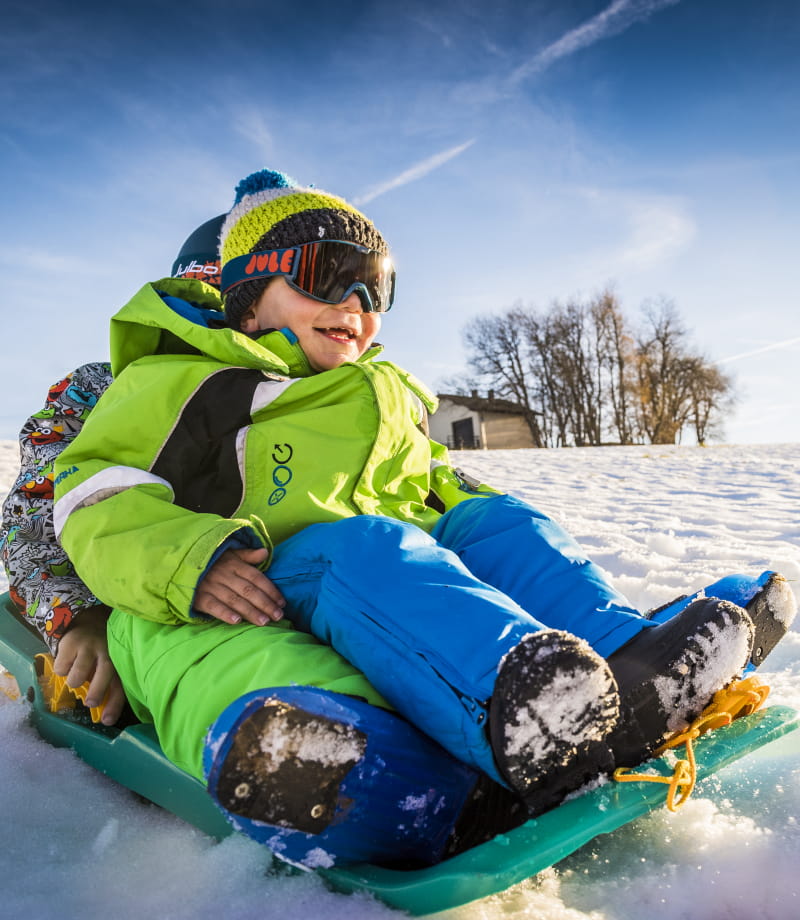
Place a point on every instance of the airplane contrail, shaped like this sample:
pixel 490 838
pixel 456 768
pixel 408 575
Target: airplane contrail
pixel 615 18
pixel 413 173
pixel 784 343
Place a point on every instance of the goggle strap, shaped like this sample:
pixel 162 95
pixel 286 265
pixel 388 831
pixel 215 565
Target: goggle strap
pixel 253 265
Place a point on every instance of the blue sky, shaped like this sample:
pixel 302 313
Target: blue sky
pixel 510 152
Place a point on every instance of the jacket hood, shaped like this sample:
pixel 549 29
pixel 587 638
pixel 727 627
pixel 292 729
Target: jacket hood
pixel 185 316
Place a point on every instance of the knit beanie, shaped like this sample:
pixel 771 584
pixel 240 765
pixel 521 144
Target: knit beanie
pixel 271 211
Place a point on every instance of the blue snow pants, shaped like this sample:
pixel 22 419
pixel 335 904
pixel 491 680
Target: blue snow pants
pixel 428 617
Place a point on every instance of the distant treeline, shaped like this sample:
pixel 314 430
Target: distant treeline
pixel 585 375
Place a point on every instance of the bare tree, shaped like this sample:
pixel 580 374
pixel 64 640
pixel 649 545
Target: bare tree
pixel 712 397
pixel 542 343
pixel 574 366
pixel 664 375
pixel 677 389
pixel 615 359
pixel 575 349
pixel 582 376
pixel 497 354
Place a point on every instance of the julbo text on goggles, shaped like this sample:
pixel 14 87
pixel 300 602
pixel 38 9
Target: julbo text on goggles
pixel 327 270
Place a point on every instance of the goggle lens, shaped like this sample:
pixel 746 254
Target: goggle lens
pixel 327 270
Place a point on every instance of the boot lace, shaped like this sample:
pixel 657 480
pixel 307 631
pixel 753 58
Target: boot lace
pixel 741 698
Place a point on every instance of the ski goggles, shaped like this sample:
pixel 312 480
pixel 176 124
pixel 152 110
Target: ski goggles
pixel 326 270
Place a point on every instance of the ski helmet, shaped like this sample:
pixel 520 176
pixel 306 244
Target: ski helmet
pixel 199 255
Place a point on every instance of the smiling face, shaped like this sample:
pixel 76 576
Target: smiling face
pixel 329 334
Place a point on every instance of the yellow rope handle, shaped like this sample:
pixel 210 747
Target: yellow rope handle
pixel 741 698
pixel 58 694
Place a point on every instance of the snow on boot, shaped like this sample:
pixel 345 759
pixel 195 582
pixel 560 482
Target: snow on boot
pixel 553 708
pixel 322 778
pixel 772 611
pixel 768 600
pixel 738 588
pixel 667 674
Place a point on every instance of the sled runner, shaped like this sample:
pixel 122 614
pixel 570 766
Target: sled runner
pixel 132 757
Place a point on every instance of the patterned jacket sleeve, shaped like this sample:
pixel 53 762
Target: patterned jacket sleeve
pixel 42 580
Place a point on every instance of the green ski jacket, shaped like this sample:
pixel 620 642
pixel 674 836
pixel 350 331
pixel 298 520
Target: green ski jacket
pixel 208 440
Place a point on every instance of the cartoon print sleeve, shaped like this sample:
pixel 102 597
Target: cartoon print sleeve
pixel 42 580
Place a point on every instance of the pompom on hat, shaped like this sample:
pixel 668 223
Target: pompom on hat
pixel 271 211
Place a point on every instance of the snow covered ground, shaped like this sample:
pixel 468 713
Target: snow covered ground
pixel 662 521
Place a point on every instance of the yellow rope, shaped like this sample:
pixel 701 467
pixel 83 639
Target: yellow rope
pixel 741 698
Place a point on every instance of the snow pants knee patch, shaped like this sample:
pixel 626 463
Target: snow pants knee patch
pixel 181 677
pixel 322 778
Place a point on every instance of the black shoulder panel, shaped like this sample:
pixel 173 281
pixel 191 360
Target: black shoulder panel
pixel 199 458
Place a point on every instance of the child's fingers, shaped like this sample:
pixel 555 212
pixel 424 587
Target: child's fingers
pixel 234 590
pixel 254 584
pixel 103 673
pixel 88 661
pixel 252 558
pixel 247 601
pixel 115 702
pixel 64 660
pixel 106 685
pixel 81 664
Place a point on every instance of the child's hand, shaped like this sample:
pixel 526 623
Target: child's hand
pixel 83 655
pixel 233 589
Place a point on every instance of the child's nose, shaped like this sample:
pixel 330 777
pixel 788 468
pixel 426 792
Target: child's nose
pixel 352 303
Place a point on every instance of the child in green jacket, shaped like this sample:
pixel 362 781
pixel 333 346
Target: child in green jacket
pixel 282 542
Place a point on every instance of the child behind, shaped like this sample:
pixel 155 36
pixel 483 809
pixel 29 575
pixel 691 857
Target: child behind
pixel 43 583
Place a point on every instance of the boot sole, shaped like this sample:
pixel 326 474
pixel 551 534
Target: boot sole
pixel 553 707
pixel 772 611
pixel 285 767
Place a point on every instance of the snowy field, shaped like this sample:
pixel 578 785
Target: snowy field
pixel 662 522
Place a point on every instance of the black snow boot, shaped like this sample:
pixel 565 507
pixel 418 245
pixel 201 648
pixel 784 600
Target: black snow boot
pixel 490 810
pixel 667 674
pixel 772 611
pixel 552 712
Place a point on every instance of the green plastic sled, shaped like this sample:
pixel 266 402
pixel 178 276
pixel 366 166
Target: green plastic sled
pixel 132 757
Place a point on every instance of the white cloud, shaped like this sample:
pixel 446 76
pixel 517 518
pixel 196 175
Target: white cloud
pixel 43 262
pixel 432 25
pixel 643 230
pixel 659 230
pixel 415 172
pixel 616 18
pixel 251 124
